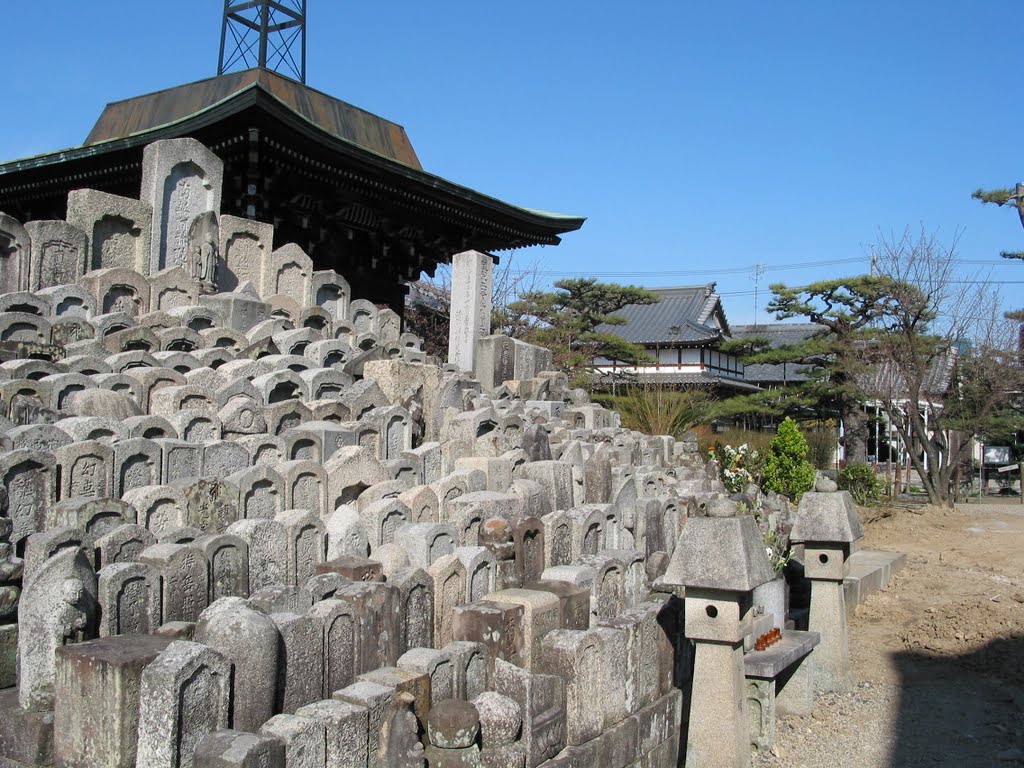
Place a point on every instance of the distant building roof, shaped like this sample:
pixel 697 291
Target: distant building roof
pixel 778 335
pixel 686 315
pixel 426 294
pixel 886 381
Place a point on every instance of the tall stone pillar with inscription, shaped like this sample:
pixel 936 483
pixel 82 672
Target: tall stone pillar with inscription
pixel 181 179
pixel 471 306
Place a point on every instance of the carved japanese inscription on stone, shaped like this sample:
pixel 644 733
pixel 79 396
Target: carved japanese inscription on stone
pixel 291 280
pixel 133 607
pixel 59 262
pixel 260 501
pixel 198 713
pixel 308 552
pixel 122 298
pixel 185 197
pixel 28 494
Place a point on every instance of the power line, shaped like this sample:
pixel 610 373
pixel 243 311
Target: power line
pixel 728 270
pixel 761 268
pixel 750 292
pixel 695 272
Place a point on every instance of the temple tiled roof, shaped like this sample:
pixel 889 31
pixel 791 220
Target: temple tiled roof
pixel 340 119
pixel 685 315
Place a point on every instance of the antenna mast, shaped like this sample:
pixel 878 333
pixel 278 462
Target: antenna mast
pixel 264 33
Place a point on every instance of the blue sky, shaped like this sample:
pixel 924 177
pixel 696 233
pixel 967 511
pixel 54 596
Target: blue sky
pixel 699 139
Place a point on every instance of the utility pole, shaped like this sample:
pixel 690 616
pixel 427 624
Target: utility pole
pixel 759 269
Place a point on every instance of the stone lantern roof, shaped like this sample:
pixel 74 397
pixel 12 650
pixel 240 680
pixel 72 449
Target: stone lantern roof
pixel 725 553
pixel 827 517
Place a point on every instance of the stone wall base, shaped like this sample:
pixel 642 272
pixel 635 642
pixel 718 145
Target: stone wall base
pixel 648 739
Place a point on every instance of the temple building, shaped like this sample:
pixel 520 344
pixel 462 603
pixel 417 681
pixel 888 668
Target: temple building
pixel 343 184
pixel 681 334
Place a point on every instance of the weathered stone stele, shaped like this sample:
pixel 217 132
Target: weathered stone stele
pixel 129 599
pixel 249 641
pixel 119 229
pixel 184 696
pixel 59 253
pixel 15 251
pixel 181 179
pixel 58 607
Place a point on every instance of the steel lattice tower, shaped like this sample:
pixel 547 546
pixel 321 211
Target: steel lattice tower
pixel 264 33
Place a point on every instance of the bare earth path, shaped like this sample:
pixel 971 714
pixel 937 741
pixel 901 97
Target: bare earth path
pixel 938 657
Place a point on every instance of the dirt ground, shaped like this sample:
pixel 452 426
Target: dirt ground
pixel 938 657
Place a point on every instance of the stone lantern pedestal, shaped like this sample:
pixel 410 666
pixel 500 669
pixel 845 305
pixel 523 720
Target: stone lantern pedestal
pixel 720 560
pixel 828 525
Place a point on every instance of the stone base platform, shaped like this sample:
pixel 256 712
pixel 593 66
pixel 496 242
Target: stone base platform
pixel 871 571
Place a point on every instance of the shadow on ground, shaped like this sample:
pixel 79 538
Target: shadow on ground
pixel 965 711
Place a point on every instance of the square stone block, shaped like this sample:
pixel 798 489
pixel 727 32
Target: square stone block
pixel 353 567
pixel 96 715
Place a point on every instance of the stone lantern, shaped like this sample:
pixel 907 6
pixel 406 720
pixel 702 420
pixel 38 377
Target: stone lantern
pixel 719 560
pixel 828 526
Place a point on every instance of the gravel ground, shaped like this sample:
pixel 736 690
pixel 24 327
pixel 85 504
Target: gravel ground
pixel 938 657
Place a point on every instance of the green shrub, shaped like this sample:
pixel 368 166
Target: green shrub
pixel 786 469
pixel 862 483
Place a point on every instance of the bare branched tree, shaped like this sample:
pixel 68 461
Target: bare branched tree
pixel 943 362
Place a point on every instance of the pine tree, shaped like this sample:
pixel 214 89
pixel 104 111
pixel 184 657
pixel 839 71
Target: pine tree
pixel 845 309
pixel 565 320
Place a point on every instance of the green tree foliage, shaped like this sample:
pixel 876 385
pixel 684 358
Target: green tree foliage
pixel 786 469
pixel 1007 424
pixel 565 320
pixel 845 308
pixel 1001 197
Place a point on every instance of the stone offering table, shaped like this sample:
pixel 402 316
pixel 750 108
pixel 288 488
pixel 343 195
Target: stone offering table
pixel 780 679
